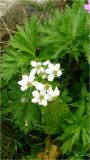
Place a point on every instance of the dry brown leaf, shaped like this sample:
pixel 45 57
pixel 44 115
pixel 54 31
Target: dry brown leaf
pixel 40 155
pixel 51 151
pixel 54 152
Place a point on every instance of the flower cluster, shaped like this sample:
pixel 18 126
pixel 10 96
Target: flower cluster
pixel 43 92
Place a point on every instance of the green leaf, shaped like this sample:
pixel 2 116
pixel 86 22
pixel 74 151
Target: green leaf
pixel 85 137
pixel 81 109
pixel 84 93
pixel 23 113
pixel 66 32
pixel 12 61
pixel 65 97
pixel 87 51
pixel 26 38
pixel 66 146
pixel 53 115
pixel 75 131
pixel 8 70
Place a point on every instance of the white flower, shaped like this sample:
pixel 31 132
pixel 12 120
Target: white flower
pixel 42 87
pixel 40 97
pixel 46 63
pixel 32 73
pixel 39 86
pixel 46 87
pixel 53 71
pixel 53 93
pixel 26 82
pixel 37 67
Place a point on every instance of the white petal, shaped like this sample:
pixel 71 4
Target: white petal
pixel 42 69
pixel 59 73
pixel 51 67
pixel 35 93
pixel 33 63
pixel 48 71
pixel 50 77
pixel 32 73
pixel 30 79
pixel 35 100
pixel 46 63
pixel 20 82
pixel 44 103
pixel 23 88
pixel 50 88
pixel 39 86
pixel 39 102
pixel 23 82
pixel 34 83
pixel 38 63
pixel 38 71
pixel 25 77
pixel 57 66
pixel 57 91
pixel 50 92
pixel 46 96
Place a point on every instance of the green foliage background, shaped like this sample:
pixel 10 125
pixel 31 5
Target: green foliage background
pixel 63 38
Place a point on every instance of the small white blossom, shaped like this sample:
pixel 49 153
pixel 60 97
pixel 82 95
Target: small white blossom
pixel 42 87
pixel 40 97
pixel 32 73
pixel 46 87
pixel 53 93
pixel 37 67
pixel 46 63
pixel 26 82
pixel 53 71
pixel 39 86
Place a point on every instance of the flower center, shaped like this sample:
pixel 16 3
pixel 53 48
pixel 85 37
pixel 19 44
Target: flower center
pixel 38 67
pixel 41 97
pixel 55 72
pixel 47 86
pixel 29 83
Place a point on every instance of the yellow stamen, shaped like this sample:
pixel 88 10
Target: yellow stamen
pixel 55 72
pixel 47 86
pixel 41 97
pixel 38 67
